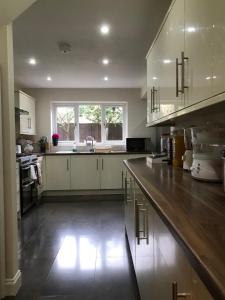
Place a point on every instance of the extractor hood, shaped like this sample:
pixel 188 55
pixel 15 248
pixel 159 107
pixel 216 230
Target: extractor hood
pixel 19 111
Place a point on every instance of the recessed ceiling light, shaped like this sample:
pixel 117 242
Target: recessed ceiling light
pixel 214 77
pixel 49 78
pixel 106 78
pixel 104 29
pixel 105 61
pixel 167 61
pixel 208 78
pixel 191 29
pixel 154 78
pixel 32 61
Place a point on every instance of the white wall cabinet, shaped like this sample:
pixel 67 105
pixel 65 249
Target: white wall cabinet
pixel 27 122
pixel 58 172
pixel 169 47
pixel 198 49
pixel 196 29
pixel 218 25
pixel 160 263
pixel 85 172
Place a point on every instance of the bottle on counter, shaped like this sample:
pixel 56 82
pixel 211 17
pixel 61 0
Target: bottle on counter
pixel 178 149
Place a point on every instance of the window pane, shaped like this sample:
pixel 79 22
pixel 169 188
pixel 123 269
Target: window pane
pixel 114 123
pixel 65 123
pixel 90 122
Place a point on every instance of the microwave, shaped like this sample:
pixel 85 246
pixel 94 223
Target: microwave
pixel 138 144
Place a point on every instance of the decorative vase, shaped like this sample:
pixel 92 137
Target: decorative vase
pixel 55 142
pixel 43 148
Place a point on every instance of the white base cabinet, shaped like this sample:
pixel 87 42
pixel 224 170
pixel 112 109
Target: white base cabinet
pixel 86 172
pixel 58 172
pixel 111 169
pixel 160 264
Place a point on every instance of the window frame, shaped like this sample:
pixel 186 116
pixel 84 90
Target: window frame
pixel 75 105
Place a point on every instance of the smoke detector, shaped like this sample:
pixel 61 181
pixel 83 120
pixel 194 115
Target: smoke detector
pixel 64 47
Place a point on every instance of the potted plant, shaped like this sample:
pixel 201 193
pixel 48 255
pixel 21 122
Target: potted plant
pixel 55 139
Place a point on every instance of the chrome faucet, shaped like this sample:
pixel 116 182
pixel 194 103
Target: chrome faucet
pixel 90 141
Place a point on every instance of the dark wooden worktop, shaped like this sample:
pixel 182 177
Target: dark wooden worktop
pixel 94 153
pixel 194 211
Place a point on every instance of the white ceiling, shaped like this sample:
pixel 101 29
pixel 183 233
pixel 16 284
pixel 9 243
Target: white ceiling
pixel 134 24
pixel 11 9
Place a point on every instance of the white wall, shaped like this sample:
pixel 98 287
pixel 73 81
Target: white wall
pixel 12 274
pixel 136 107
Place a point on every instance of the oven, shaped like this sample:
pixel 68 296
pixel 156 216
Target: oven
pixel 28 182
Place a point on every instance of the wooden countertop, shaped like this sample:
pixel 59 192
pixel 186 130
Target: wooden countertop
pixel 194 211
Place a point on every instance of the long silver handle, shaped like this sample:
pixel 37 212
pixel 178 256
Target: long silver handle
pixel 175 294
pixel 25 168
pixel 67 164
pixel 102 164
pixel 27 185
pixel 122 179
pixel 97 164
pixel 154 91
pixel 145 230
pixel 183 58
pixel 151 101
pixel 177 78
pixel 128 197
pixel 125 191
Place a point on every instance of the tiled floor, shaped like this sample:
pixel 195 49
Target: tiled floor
pixel 75 251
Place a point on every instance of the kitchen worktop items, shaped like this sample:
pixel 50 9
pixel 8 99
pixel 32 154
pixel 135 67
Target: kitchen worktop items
pixel 208 144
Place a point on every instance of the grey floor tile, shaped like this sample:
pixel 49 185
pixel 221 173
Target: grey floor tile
pixel 75 251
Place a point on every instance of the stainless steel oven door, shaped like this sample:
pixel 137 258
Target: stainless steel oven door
pixel 26 195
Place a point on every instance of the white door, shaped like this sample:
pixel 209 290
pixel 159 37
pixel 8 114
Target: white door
pixel 170 45
pixel 218 26
pixel 199 48
pixel 2 233
pixel 112 171
pixel 58 172
pixel 85 170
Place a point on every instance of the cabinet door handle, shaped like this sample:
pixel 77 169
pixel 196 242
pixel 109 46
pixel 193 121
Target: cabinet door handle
pixel 102 164
pixel 177 78
pixel 154 91
pixel 151 102
pixel 128 198
pixel 139 207
pixel 67 164
pixel 176 295
pixel 97 163
pixel 125 190
pixel 183 58
pixel 122 179
pixel 28 126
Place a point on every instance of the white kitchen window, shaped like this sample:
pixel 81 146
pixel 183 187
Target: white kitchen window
pixel 105 122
